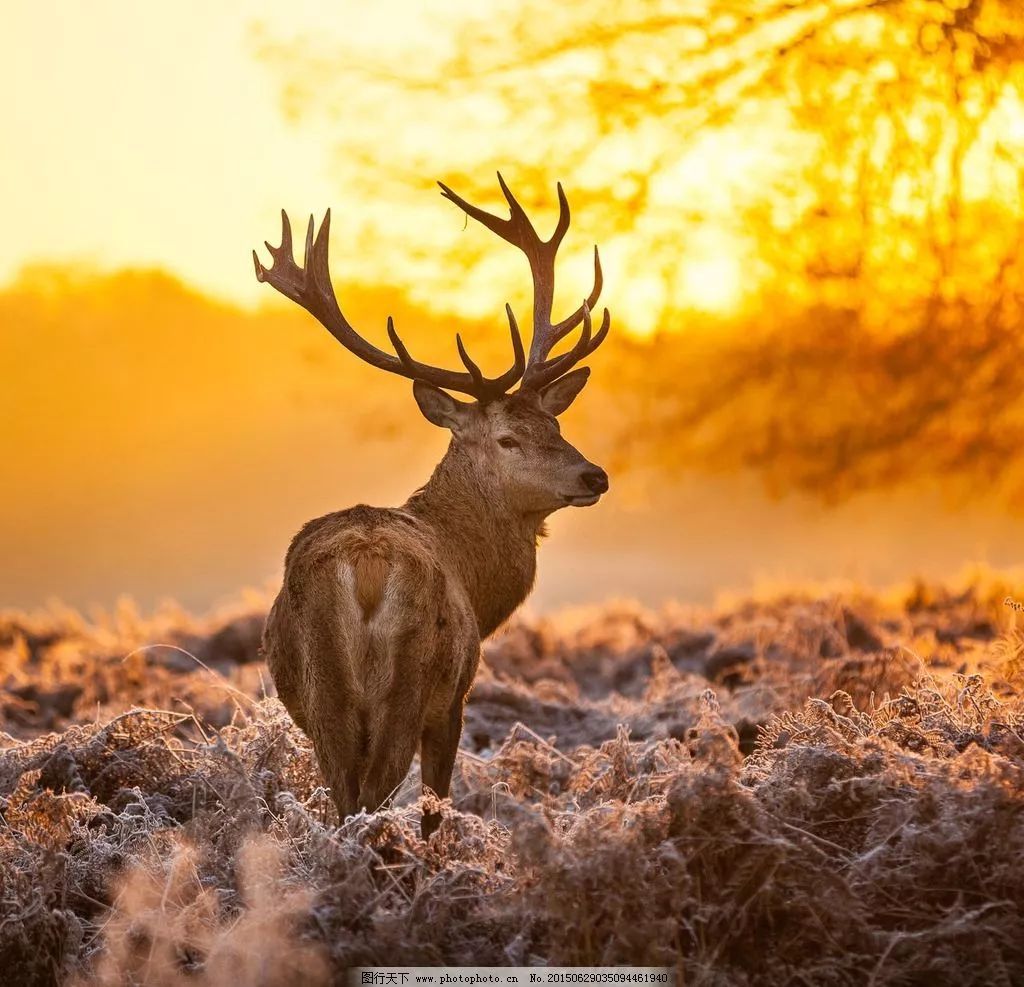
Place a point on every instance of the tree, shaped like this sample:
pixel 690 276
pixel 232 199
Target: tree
pixel 856 163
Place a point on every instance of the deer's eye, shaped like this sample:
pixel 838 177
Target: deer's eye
pixel 508 442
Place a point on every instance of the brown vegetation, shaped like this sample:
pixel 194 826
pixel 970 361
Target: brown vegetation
pixel 805 788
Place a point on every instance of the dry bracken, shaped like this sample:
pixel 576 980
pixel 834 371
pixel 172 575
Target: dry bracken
pixel 801 789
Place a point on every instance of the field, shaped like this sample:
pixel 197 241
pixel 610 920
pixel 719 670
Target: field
pixel 805 787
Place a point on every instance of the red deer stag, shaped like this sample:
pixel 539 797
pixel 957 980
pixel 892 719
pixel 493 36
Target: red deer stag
pixel 374 638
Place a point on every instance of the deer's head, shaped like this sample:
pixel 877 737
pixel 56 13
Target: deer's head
pixel 514 445
pixel 511 440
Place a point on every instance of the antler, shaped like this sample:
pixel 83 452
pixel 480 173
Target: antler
pixel 520 232
pixel 310 286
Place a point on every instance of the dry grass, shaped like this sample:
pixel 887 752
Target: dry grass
pixel 789 790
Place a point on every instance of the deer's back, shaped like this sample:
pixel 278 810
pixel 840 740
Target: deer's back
pixel 366 595
pixel 369 557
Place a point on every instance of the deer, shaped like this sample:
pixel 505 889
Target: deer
pixel 374 638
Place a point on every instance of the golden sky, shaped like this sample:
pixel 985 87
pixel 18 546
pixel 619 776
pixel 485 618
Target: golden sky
pixel 143 134
pixel 139 133
pixel 168 136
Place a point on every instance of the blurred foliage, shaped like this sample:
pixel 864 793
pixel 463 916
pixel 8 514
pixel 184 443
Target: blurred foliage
pixel 844 147
pixel 840 180
pixel 814 403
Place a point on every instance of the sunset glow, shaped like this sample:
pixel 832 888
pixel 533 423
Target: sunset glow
pixel 597 541
pixel 810 218
pixel 202 138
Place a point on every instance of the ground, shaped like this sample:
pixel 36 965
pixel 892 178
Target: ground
pixel 800 787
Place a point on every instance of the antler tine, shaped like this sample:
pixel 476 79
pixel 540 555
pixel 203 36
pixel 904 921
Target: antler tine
pixel 396 342
pixel 474 370
pixel 310 286
pixel 517 229
pixel 520 232
pixel 517 215
pixel 511 376
pixel 287 283
pixel 539 375
pixel 566 326
pixel 517 340
pixel 563 217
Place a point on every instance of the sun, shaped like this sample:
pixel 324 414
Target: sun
pixel 711 284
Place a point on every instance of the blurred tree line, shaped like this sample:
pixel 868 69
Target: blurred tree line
pixel 858 161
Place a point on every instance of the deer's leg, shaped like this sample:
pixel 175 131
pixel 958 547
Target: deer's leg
pixel 394 728
pixel 344 783
pixel 439 746
pixel 285 661
pixel 289 694
pixel 391 752
pixel 339 739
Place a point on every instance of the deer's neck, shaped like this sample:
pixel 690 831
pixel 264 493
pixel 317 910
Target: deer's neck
pixel 491 548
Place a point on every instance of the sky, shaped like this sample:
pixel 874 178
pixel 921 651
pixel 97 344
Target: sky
pixel 170 135
pixel 140 134
pixel 144 135
pixel 155 135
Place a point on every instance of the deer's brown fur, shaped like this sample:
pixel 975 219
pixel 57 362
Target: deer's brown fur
pixel 374 638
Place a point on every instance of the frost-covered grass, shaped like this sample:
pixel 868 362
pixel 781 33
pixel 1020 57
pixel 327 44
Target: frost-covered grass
pixel 800 788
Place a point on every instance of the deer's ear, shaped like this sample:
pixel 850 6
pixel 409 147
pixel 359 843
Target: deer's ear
pixel 556 397
pixel 438 407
